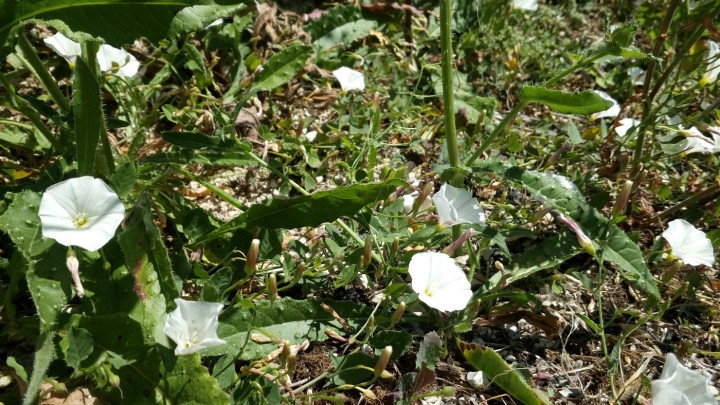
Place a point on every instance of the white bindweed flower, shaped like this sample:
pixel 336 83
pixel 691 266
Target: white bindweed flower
pixel 350 79
pixel 696 142
pixel 457 206
pixel 409 201
pixel 439 282
pixel 678 385
pixel 626 124
pixel 712 57
pixel 637 76
pixel 611 112
pixel 689 243
pixel 529 5
pixel 193 326
pixel 64 46
pixel 82 212
pixel 116 61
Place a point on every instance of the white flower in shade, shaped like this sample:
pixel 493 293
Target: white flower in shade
pixel 529 5
pixel 637 76
pixel 64 46
pixel 689 243
pixel 116 61
pixel 457 206
pixel 626 124
pixel 678 385
pixel 193 326
pixel 82 212
pixel 409 201
pixel 215 23
pixel 696 142
pixel 712 57
pixel 350 79
pixel 439 281
pixel 611 112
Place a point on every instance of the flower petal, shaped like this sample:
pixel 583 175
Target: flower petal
pixel 350 79
pixel 688 243
pixel 611 112
pixel 457 206
pixel 680 385
pixel 64 47
pixel 193 326
pixel 439 281
pixel 117 61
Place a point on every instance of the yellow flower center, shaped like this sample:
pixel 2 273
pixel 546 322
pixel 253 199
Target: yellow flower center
pixel 428 292
pixel 81 220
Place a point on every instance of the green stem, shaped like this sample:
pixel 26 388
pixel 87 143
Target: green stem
pixel 692 200
pixel 502 126
pixel 36 66
pixel 24 108
pixel 447 82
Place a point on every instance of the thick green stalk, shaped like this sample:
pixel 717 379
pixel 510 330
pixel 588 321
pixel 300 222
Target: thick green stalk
pixel 447 82
pixel 36 66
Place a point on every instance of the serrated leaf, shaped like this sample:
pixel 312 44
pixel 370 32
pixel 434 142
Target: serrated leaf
pixel 310 210
pixel 284 319
pixel 198 17
pixel 499 372
pixel 566 198
pixel 340 25
pixel 281 68
pixel 88 116
pixel 585 103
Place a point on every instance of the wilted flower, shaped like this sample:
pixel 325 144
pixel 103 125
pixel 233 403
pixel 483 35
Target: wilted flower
pixel 626 124
pixel 689 243
pixel 64 46
pixel 116 61
pixel 193 326
pixel 82 212
pixel 582 238
pixel 713 58
pixel 457 206
pixel 350 79
pixel 530 5
pixel 611 112
pixel 439 281
pixel 678 385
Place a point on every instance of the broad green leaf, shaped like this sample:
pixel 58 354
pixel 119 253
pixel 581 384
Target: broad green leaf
pixel 77 345
pixel 147 258
pixel 566 198
pixel 499 372
pixel 88 116
pixel 198 17
pixel 285 319
pixel 430 351
pixel 347 370
pixel 22 223
pixel 310 210
pixel 399 340
pixel 339 26
pixel 118 22
pixel 43 356
pixel 281 68
pixel 123 179
pixel 585 103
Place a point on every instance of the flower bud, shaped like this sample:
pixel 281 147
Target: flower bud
pixel 399 311
pixel 583 239
pixel 299 271
pixel 622 199
pixel 424 194
pixel 291 363
pixel 367 250
pixel 382 361
pixel 272 289
pixel 73 265
pixel 367 393
pixel 252 257
pixel 370 324
pixel 285 353
pixel 459 242
pixel 447 391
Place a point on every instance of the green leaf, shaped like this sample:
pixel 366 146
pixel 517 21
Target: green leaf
pixel 284 319
pixel 191 140
pixel 118 22
pixel 430 351
pixel 347 370
pixel 584 103
pixel 563 196
pixel 399 340
pixel 43 356
pixel 22 223
pixel 88 116
pixel 340 25
pixel 77 345
pixel 207 157
pixel 310 210
pixel 281 68
pixel 196 18
pixel 499 372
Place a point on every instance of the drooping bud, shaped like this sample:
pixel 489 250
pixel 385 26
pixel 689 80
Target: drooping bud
pixel 252 257
pixel 382 361
pixel 583 239
pixel 272 289
pixel 370 324
pixel 555 157
pixel 399 311
pixel 622 199
pixel 367 393
pixel 459 242
pixel 73 265
pixel 424 194
pixel 291 363
pixel 285 353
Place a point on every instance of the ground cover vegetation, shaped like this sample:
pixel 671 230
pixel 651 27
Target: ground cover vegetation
pixel 486 201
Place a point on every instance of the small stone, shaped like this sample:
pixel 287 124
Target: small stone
pixel 476 379
pixel 510 358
